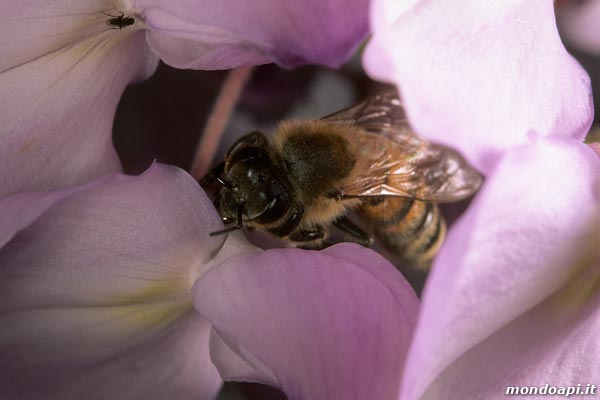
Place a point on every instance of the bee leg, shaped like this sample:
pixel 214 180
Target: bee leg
pixel 354 231
pixel 308 235
pixel 313 239
pixel 339 196
pixel 237 226
pixel 319 245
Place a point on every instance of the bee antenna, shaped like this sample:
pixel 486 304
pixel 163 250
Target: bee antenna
pixel 226 184
pixel 237 226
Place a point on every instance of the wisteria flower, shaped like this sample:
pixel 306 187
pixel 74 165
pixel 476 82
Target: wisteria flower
pixel 65 64
pixel 96 293
pixel 334 324
pixel 513 299
pixel 226 34
pixel 98 282
pixel 95 286
pixel 480 76
pixel 61 76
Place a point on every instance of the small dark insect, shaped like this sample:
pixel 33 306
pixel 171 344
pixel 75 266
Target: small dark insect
pixel 119 21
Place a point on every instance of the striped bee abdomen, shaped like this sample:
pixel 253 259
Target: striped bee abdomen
pixel 411 228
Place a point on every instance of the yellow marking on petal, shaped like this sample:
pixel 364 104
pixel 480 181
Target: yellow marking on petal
pixel 158 316
pixel 582 287
pixel 155 305
pixel 138 319
pixel 161 290
pixel 583 282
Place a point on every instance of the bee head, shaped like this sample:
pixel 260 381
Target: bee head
pixel 252 182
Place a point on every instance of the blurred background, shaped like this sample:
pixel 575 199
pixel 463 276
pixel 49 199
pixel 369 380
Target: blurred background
pixel 163 118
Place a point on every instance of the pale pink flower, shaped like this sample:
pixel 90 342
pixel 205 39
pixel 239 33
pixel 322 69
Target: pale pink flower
pixel 65 65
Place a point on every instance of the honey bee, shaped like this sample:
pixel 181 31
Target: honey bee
pixel 364 158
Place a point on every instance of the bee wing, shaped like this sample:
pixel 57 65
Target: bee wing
pixel 394 161
pixel 377 113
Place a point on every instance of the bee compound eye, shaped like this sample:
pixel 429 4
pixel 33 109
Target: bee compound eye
pixel 275 189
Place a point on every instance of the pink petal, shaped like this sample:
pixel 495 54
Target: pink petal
pixel 95 296
pixel 554 343
pixel 480 76
pixel 517 245
pixel 62 73
pixel 225 34
pixel 20 210
pixel 578 24
pixel 334 324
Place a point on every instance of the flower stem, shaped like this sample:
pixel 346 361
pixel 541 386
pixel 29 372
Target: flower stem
pixel 219 117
